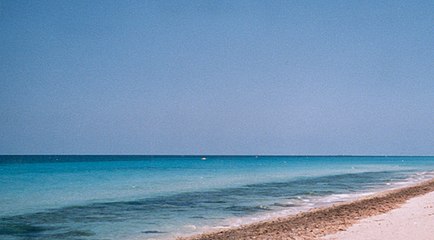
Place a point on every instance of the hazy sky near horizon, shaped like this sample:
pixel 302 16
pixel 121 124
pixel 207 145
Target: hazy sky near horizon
pixel 217 77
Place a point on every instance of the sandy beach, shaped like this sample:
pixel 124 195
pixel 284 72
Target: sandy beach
pixel 413 220
pixel 405 213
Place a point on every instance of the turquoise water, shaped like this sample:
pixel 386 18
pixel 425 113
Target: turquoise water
pixel 142 197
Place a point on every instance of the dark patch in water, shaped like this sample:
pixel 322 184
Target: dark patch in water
pixel 16 228
pixel 247 209
pixel 152 232
pixel 285 205
pixel 74 233
pixel 221 201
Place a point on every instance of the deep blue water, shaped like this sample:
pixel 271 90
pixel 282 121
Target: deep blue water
pixel 143 197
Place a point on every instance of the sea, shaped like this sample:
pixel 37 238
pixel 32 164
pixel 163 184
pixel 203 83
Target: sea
pixel 162 197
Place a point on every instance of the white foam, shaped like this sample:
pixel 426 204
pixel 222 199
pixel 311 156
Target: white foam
pixel 190 227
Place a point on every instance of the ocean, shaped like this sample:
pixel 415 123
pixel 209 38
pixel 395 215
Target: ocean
pixel 160 197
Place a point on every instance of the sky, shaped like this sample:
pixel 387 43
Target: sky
pixel 217 77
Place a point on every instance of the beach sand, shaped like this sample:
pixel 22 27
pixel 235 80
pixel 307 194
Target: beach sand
pixel 414 220
pixel 381 216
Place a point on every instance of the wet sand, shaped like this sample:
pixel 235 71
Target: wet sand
pixel 317 223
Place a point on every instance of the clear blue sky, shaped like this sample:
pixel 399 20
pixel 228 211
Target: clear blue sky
pixel 217 77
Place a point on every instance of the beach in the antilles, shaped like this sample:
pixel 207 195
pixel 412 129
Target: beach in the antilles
pixel 216 119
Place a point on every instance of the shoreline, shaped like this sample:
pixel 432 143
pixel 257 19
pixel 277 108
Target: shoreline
pixel 319 222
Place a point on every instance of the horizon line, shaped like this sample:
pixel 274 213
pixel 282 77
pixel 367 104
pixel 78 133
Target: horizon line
pixel 223 155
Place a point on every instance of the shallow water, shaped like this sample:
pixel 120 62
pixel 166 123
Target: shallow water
pixel 142 197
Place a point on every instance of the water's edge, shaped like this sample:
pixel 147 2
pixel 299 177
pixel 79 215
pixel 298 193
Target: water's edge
pixel 78 198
